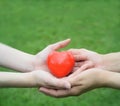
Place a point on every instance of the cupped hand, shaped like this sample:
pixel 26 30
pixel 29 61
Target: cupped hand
pixel 41 57
pixel 81 83
pixel 85 59
pixel 45 79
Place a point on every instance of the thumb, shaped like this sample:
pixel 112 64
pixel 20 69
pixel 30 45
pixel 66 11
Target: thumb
pixel 60 44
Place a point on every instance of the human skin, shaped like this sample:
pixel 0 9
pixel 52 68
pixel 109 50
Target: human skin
pixel 86 59
pixel 92 70
pixel 35 69
pixel 85 81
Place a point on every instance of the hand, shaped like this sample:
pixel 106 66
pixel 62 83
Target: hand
pixel 25 62
pixel 86 59
pixel 32 79
pixel 45 79
pixel 81 83
pixel 41 58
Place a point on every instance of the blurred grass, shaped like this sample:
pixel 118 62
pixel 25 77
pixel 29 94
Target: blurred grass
pixel 31 25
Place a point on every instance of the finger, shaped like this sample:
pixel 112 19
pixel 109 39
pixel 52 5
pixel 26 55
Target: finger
pixel 53 47
pixel 74 51
pixel 80 57
pixel 59 84
pixel 49 92
pixel 52 82
pixel 79 64
pixel 75 73
pixel 86 65
pixel 75 91
pixel 75 69
pixel 60 44
pixel 54 93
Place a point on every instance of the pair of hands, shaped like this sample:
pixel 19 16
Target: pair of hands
pixel 41 74
pixel 89 71
pixel 79 81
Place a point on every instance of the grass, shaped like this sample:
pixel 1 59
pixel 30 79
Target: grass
pixel 31 25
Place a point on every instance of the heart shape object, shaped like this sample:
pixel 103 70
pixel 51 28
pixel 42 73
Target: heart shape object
pixel 60 63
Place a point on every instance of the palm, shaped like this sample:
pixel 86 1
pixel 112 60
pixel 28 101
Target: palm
pixel 86 59
pixel 41 57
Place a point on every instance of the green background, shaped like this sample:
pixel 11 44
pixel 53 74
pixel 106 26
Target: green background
pixel 31 25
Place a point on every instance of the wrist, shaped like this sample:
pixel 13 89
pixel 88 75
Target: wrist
pixel 38 62
pixel 111 62
pixel 31 79
pixel 105 61
pixel 27 80
pixel 35 78
pixel 112 80
pixel 100 77
pixel 109 79
pixel 31 60
pixel 104 78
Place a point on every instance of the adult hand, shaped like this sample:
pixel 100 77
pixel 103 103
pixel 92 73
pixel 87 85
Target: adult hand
pixel 86 59
pixel 81 83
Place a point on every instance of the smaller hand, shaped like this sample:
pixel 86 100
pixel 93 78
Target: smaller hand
pixel 81 83
pixel 41 57
pixel 45 79
pixel 42 76
pixel 86 59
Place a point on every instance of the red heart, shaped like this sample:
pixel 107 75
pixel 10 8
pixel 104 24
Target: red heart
pixel 60 63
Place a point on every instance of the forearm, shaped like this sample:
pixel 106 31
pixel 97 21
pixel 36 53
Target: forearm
pixel 8 79
pixel 15 59
pixel 112 79
pixel 111 62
